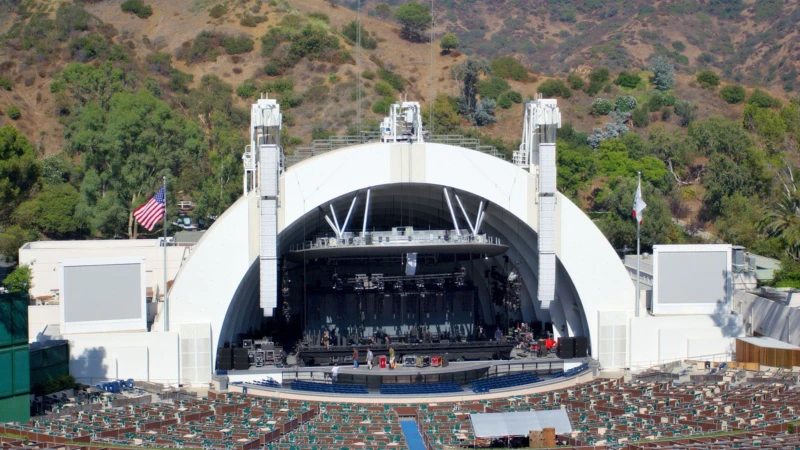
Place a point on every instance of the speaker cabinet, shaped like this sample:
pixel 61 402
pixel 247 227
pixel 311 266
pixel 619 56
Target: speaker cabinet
pixel 566 347
pixel 581 347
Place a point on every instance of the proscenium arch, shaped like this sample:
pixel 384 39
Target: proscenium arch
pixel 590 279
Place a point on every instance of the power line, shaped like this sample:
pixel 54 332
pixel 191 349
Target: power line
pixel 430 99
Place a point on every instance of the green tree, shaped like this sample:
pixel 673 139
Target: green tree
pixel 383 10
pixel 448 43
pixel 19 170
pixel 469 72
pixel 724 178
pixel 19 280
pixel 782 220
pixel 125 151
pixel 52 212
pixel 415 18
pixel 445 114
pixel 12 237
pixel 663 73
pixel 137 7
pixel 763 100
pixel 616 201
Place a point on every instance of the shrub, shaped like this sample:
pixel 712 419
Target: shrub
pixel 13 113
pixel 218 11
pixel 575 81
pixel 160 63
pixel 291 100
pixel 599 75
pixel 625 103
pixel 492 87
pixel 509 67
pixel 249 20
pixel 687 111
pixel 504 101
pixel 368 74
pixel 708 79
pixel 678 46
pixel 279 86
pixel 593 88
pixel 350 31
pixel 179 81
pixel 381 106
pixel 237 45
pixel 554 88
pixel 666 113
pixel 601 107
pixel 272 69
pixel 733 94
pixel 333 78
pixel 137 7
pixel 322 17
pixel 246 90
pixel 392 78
pixel 659 99
pixel 640 118
pixel 5 83
pixel 88 47
pixel 515 96
pixel 628 80
pixel 763 100
pixel 384 89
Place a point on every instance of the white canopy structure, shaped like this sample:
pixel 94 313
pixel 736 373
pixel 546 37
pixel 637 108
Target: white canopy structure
pixel 510 424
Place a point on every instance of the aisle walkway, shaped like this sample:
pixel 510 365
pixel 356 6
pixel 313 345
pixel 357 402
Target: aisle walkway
pixel 411 432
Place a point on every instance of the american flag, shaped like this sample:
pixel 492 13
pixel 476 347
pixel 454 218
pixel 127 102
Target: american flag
pixel 151 212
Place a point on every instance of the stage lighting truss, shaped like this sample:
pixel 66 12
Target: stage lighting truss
pixel 402 285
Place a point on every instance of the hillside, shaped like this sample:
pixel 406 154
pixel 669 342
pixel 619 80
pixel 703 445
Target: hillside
pixel 109 99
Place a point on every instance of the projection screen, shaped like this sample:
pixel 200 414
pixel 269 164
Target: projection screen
pixel 103 294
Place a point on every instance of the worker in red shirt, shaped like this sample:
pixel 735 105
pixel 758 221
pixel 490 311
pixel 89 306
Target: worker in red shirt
pixel 549 344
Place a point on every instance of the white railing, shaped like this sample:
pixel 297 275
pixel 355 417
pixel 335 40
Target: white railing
pixel 716 357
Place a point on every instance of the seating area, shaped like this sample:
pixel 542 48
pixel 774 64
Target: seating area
pixel 115 387
pixel 421 388
pixel 268 382
pixel 731 409
pixel 329 388
pixel 571 372
pixel 504 381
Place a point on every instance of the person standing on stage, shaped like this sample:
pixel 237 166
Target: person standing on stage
pixel 355 358
pixel 370 356
pixel 391 357
pixel 335 373
pixel 498 335
pixel 326 339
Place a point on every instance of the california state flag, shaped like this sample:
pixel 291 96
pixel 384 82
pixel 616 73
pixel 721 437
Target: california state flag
pixel 638 204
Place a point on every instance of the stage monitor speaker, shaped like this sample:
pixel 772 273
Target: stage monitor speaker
pixel 239 353
pixel 581 347
pixel 225 353
pixel 566 347
pixel 241 363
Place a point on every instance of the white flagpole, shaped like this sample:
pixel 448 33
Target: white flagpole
pixel 638 230
pixel 166 298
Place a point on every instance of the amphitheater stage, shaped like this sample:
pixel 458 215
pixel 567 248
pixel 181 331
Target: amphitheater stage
pixel 460 372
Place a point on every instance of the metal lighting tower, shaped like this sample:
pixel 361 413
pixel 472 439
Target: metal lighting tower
pixel 537 153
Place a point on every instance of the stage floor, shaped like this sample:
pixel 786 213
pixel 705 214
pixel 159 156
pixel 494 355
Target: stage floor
pixel 456 371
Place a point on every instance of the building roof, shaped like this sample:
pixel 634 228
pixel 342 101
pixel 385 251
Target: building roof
pixel 768 342
pixel 490 425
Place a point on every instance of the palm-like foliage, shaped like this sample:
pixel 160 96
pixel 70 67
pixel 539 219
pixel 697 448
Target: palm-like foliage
pixel 783 221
